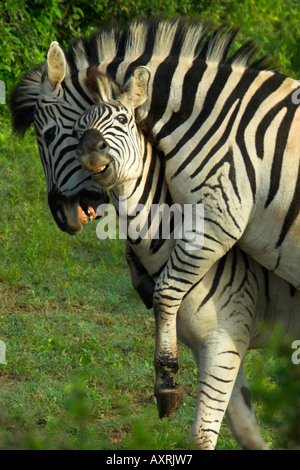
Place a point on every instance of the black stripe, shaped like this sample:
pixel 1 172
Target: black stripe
pixel 293 290
pixel 292 212
pixel 267 283
pixel 80 104
pixel 238 92
pixel 213 388
pixel 215 284
pixel 263 127
pixel 211 97
pixel 228 158
pixel 233 260
pixel 280 146
pixel 234 353
pixel 208 219
pixel 161 90
pixel 214 399
pixel 62 153
pixel 180 269
pixel 70 174
pixel 112 68
pixel 77 85
pixel 172 58
pixel 268 87
pixel 220 380
pixel 145 196
pixel 180 260
pixel 189 90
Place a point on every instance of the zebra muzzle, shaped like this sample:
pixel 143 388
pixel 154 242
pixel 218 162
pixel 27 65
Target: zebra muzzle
pixel 97 171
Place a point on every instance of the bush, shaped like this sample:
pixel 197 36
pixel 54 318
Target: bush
pixel 275 382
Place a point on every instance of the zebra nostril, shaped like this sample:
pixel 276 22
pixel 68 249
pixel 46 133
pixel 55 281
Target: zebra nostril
pixel 60 215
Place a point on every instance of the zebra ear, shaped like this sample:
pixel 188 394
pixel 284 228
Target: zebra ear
pixel 56 63
pixel 135 92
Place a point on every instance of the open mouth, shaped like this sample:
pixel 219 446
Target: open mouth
pixel 86 213
pixel 100 170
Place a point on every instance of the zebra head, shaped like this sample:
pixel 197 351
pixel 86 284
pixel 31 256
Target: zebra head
pixel 52 97
pixel 111 146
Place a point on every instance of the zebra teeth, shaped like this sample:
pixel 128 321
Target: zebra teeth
pixel 100 169
pixel 86 213
pixel 91 213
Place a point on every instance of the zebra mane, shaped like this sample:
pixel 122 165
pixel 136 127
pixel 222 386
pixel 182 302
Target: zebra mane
pixel 159 37
pixel 156 36
pixel 23 99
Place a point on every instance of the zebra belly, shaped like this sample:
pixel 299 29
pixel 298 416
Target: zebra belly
pixel 240 309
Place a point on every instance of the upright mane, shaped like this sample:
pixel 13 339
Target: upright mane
pixel 137 41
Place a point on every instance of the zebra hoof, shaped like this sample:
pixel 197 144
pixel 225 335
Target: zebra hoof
pixel 168 400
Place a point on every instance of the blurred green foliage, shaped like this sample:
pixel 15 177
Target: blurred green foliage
pixel 27 28
pixel 275 380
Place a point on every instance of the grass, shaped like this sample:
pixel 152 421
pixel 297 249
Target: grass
pixel 80 344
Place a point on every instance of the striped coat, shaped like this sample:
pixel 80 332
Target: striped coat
pixel 221 316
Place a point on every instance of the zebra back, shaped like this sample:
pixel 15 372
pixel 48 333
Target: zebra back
pixel 117 50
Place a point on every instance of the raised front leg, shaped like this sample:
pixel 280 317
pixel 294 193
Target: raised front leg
pixel 183 270
pixel 210 227
pixel 167 392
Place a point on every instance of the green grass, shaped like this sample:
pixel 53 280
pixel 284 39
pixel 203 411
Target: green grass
pixel 79 341
pixel 79 372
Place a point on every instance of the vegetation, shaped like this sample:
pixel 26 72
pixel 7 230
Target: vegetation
pixel 80 343
pixel 27 28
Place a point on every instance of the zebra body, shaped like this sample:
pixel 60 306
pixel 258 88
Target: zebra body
pixel 194 85
pixel 226 204
pixel 221 316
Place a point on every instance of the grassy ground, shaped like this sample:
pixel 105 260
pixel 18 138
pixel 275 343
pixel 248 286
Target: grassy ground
pixel 80 344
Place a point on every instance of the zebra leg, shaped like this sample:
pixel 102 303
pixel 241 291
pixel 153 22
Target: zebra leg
pixel 241 416
pixel 174 282
pixel 167 392
pixel 219 362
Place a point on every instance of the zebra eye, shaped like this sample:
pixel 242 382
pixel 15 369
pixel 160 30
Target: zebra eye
pixel 50 134
pixel 122 118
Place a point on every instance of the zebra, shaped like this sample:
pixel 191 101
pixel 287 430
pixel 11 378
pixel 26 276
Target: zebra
pixel 231 205
pixel 221 317
pixel 206 110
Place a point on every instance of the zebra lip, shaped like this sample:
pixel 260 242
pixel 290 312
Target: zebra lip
pixel 99 170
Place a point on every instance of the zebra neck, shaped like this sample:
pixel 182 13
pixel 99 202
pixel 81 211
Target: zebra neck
pixel 134 203
pixel 150 188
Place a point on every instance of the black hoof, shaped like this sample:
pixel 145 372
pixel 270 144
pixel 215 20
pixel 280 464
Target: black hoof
pixel 168 400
